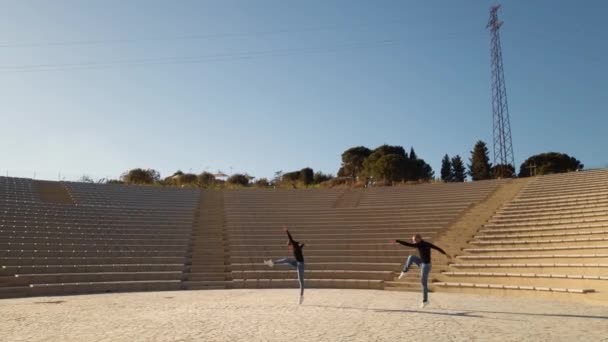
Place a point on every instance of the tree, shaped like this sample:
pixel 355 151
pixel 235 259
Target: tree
pixel 390 149
pixel 189 179
pixel 503 171
pixel 86 179
pixel 459 172
pixel 238 179
pixel 206 179
pixel 550 162
pixel 140 176
pixel 278 177
pixel 480 167
pixel 446 169
pixel 413 155
pixel 262 183
pixel 427 172
pixel 319 177
pixel 352 161
pixel 306 176
pixel 293 176
pixel 390 168
pixel 370 169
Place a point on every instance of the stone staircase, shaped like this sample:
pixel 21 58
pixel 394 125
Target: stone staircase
pixel 548 239
pixel 349 199
pixel 210 251
pixel 53 192
pixel 455 237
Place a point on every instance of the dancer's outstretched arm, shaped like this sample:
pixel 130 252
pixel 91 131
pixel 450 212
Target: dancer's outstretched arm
pixel 439 250
pixel 294 242
pixel 401 242
pixel 288 235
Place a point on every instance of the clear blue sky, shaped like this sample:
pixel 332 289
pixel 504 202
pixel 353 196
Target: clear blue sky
pixel 261 86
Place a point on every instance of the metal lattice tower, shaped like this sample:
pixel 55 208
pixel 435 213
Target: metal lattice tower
pixel 503 145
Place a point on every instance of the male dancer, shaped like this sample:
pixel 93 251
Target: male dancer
pixel 296 262
pixel 423 262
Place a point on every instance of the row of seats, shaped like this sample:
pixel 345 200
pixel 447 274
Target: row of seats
pixel 17 189
pixel 116 195
pixel 553 235
pixel 347 245
pixel 121 238
pixel 438 194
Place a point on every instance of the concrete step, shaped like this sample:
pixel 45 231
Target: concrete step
pixel 14 292
pixel 206 285
pixel 535 257
pixel 77 260
pixel 309 283
pixel 501 288
pixel 555 268
pixel 546 242
pixel 346 266
pixel 518 236
pixel 599 249
pixel 408 286
pixel 313 274
pixel 48 278
pixel 42 269
pixel 102 287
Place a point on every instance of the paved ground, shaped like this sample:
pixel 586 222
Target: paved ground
pixel 272 315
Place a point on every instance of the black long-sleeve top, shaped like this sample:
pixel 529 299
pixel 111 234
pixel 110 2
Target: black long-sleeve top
pixel 424 248
pixel 297 248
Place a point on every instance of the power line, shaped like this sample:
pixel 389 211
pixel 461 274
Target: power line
pixel 193 36
pixel 192 59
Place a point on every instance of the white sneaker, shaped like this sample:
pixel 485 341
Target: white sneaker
pixel 401 275
pixel 301 300
pixel 423 304
pixel 269 263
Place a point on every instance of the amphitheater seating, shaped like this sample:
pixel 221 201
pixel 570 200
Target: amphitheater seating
pixel 116 195
pixel 139 242
pixel 433 194
pixel 552 237
pixel 17 189
pixel 347 233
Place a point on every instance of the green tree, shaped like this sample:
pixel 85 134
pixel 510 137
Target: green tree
pixel 86 179
pixel 413 155
pixel 389 168
pixel 550 162
pixel 278 177
pixel 459 172
pixel 140 176
pixel 369 164
pixel 206 179
pixel 187 179
pixel 238 179
pixel 427 172
pixel 293 176
pixel 320 177
pixel 352 161
pixel 447 173
pixel 390 149
pixel 262 183
pixel 306 176
pixel 480 167
pixel 503 171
